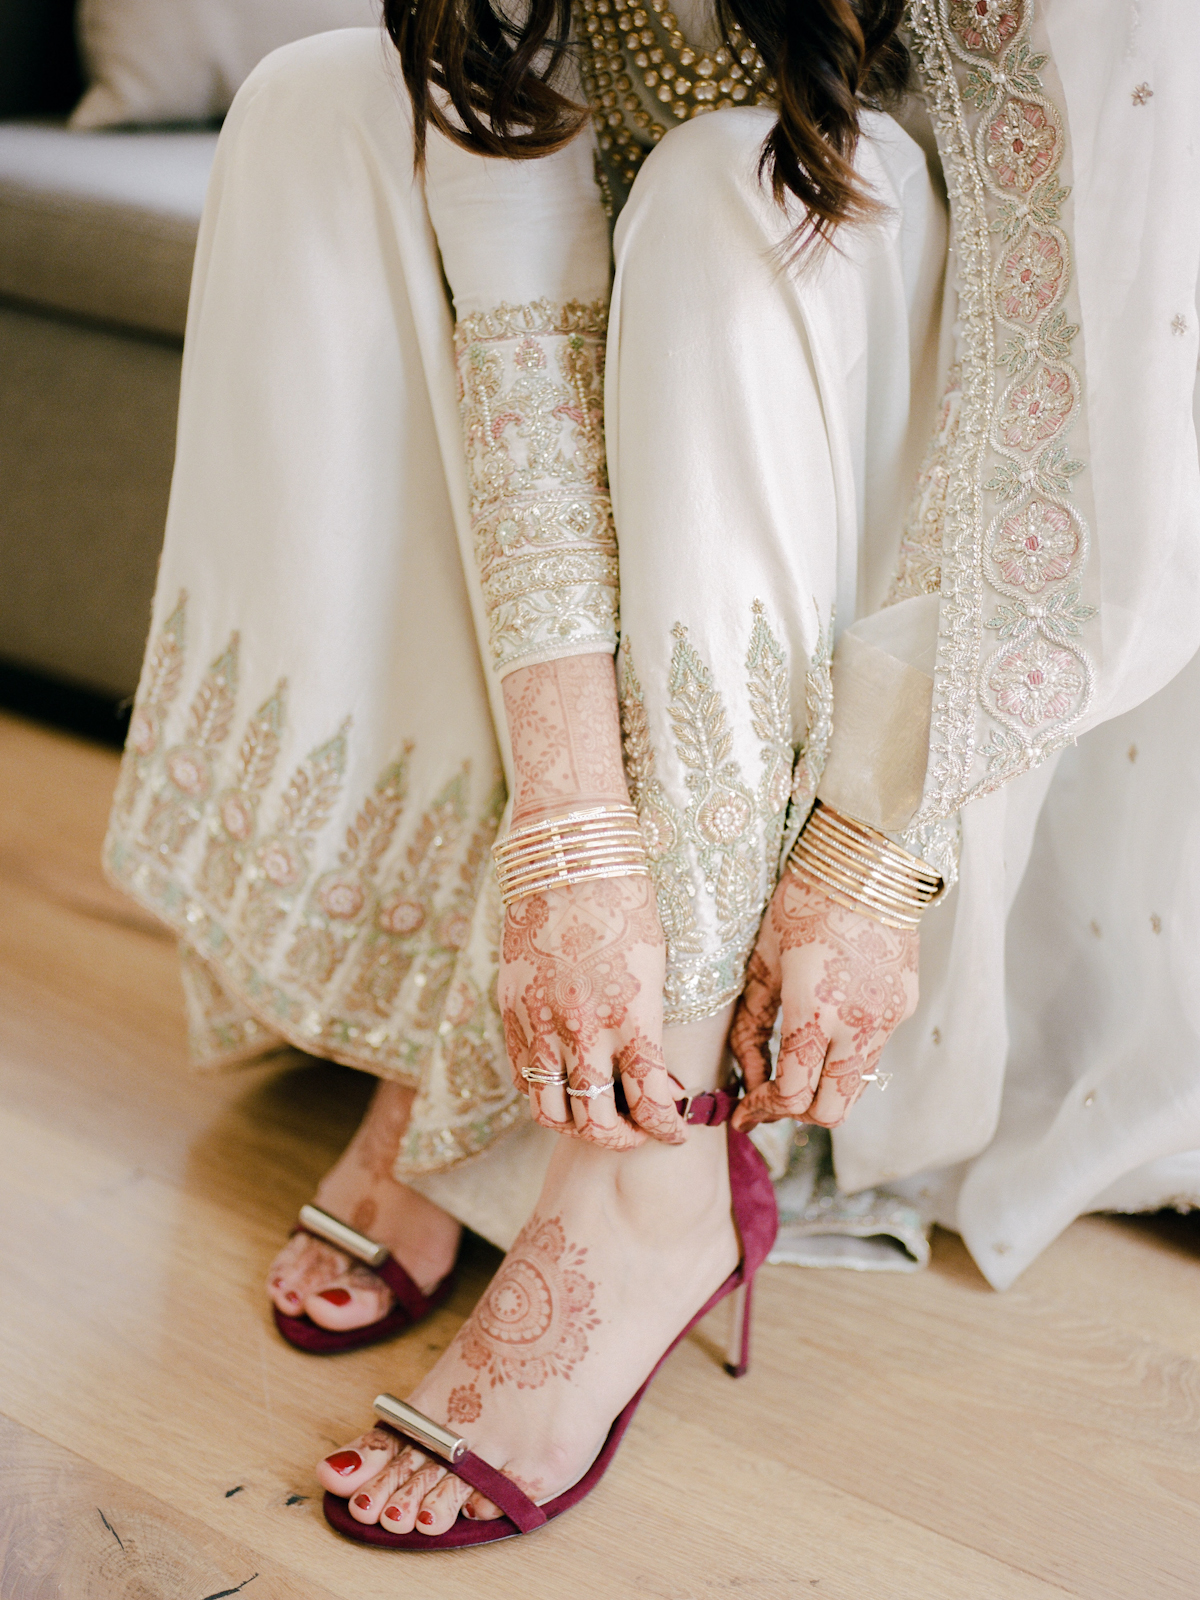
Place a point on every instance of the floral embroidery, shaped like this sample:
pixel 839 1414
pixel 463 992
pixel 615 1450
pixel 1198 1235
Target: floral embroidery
pixel 1011 547
pixel 381 954
pixel 1037 683
pixel 532 415
pixel 1035 546
pixel 715 858
pixel 1031 276
pixel 1022 145
pixel 985 24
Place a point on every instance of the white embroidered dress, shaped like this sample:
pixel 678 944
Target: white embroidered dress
pixel 382 503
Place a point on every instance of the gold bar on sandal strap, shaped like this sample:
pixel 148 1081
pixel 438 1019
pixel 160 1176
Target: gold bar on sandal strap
pixel 429 1434
pixel 314 1220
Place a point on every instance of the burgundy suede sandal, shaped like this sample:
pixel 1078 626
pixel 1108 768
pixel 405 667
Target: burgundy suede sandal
pixel 411 1305
pixel 756 1219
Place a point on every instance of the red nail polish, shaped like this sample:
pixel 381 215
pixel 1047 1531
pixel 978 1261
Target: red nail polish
pixel 392 1513
pixel 344 1462
pixel 468 1511
pixel 426 1517
pixel 336 1297
pixel 363 1502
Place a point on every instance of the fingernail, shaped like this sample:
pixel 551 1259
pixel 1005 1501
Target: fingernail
pixel 426 1517
pixel 363 1502
pixel 344 1462
pixel 336 1297
pixel 392 1513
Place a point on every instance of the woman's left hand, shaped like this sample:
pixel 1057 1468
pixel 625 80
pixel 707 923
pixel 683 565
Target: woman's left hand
pixel 845 982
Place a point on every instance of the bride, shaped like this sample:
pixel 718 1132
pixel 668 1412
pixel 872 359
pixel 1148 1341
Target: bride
pixel 556 688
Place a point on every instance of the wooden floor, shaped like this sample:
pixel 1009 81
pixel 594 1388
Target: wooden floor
pixel 899 1438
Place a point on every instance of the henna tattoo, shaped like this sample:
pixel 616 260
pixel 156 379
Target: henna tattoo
pixel 378 1138
pixel 637 1063
pixel 464 1404
pixel 364 1215
pixel 532 1322
pixel 564 727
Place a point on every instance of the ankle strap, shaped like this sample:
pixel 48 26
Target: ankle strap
pixel 707 1110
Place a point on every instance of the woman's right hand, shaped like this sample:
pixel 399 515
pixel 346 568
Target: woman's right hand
pixel 580 991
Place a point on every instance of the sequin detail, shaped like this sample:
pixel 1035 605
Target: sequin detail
pixel 998 525
pixel 531 400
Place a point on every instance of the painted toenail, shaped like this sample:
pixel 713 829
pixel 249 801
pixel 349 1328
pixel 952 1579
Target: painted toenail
pixel 344 1462
pixel 468 1511
pixel 336 1297
pixel 363 1502
pixel 392 1513
pixel 426 1517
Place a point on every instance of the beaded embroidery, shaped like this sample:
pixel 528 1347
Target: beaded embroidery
pixel 531 380
pixel 1012 548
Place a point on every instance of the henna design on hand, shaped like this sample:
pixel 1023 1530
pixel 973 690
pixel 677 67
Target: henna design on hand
pixel 866 981
pixel 637 1062
pixel 564 727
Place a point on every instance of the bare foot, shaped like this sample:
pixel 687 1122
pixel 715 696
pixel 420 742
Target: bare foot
pixel 621 1251
pixel 310 1278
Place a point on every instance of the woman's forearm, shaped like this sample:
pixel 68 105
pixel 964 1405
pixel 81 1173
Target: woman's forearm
pixel 565 729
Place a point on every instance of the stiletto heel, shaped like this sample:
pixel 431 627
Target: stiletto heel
pixel 737 1354
pixel 756 1219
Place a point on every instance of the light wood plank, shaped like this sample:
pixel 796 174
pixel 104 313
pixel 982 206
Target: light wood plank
pixel 898 1437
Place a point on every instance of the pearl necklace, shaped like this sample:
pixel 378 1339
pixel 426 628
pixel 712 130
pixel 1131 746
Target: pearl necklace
pixel 684 82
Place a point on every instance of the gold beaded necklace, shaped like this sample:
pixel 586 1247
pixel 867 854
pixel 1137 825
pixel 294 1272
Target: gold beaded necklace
pixel 677 81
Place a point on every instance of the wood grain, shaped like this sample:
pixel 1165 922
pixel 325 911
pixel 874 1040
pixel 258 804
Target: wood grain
pixel 897 1439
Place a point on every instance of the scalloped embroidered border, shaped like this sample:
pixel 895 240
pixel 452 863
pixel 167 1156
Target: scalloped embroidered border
pixel 1031 689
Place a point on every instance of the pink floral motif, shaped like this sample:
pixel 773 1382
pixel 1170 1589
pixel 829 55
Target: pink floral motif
pixel 401 915
pixel 985 24
pixel 658 832
pixel 1022 145
pixel 1037 683
pixel 453 929
pixel 1036 546
pixel 188 770
pixel 143 732
pixel 237 815
pixel 340 897
pixel 1031 276
pixel 1036 409
pixel 280 862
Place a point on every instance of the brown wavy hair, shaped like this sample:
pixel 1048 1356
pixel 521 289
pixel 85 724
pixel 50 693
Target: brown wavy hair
pixel 829 59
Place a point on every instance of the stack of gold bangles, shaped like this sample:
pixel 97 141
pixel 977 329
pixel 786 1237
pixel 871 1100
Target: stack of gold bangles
pixel 862 869
pixel 601 842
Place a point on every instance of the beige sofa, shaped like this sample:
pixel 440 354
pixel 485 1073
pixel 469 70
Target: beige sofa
pixel 97 234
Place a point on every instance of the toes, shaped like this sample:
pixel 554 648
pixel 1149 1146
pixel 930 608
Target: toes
pixel 303 1266
pixel 441 1505
pixel 346 1470
pixel 481 1509
pixel 352 1300
pixel 403 1508
pixel 368 1501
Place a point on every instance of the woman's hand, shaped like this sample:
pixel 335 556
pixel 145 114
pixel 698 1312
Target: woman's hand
pixel 845 983
pixel 582 967
pixel 580 991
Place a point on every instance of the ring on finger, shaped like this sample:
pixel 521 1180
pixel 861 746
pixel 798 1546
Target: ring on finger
pixel 593 1090
pixel 555 1080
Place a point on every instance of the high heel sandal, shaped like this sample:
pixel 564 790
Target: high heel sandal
pixel 756 1219
pixel 411 1305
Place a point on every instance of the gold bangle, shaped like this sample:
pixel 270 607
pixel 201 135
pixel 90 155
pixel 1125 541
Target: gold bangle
pixel 573 847
pixel 862 869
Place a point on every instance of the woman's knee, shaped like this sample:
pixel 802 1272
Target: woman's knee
pixel 313 88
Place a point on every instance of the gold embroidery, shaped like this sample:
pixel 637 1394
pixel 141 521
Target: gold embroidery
pixel 1013 260
pixel 281 863
pixel 919 566
pixel 341 899
pixel 221 1030
pixel 232 830
pixel 184 781
pixel 814 752
pixel 716 859
pixel 161 678
pixel 532 418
